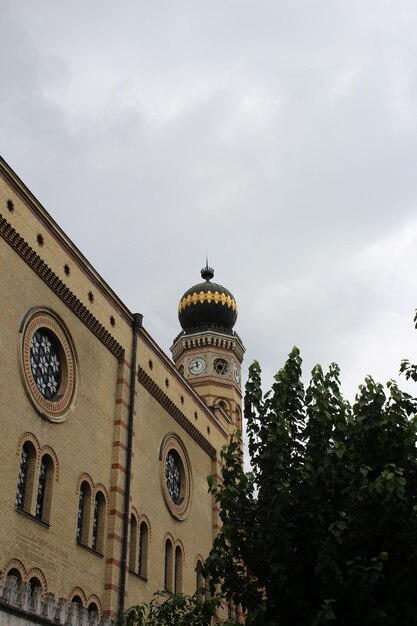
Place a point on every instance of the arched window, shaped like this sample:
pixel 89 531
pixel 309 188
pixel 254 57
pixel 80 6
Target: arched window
pixel 143 550
pixel 238 419
pixel 99 519
pixel 36 593
pixel 75 608
pixel 178 570
pixel 13 583
pixel 168 566
pixel 15 572
pixel 93 608
pixel 83 517
pixel 44 495
pixel 26 477
pixel 133 543
pixel 200 586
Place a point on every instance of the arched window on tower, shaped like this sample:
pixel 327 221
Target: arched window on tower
pixel 178 570
pixel 44 495
pixel 26 477
pixel 168 566
pixel 99 519
pixel 238 419
pixel 143 550
pixel 83 516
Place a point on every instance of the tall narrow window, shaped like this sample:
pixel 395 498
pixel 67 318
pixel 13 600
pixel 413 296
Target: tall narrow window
pixel 41 489
pixel 168 566
pixel 133 543
pixel 143 550
pixel 23 472
pixel 44 495
pixel 26 477
pixel 199 581
pixel 98 522
pixel 83 516
pixel 178 570
pixel 95 522
pixel 80 515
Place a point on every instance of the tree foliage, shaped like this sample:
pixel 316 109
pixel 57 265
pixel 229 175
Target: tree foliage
pixel 324 527
pixel 171 610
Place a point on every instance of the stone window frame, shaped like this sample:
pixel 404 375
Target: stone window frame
pixel 140 537
pixel 34 503
pixel 60 408
pixel 86 510
pixel 172 443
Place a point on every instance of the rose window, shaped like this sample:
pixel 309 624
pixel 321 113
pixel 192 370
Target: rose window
pixel 220 366
pixel 173 476
pixel 45 364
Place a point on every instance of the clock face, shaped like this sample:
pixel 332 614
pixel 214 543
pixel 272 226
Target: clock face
pixel 197 365
pixel 236 374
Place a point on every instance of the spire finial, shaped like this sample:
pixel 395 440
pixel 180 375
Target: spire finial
pixel 207 272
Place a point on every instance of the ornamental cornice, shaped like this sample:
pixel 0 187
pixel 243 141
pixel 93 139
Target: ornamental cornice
pixel 207 339
pixel 24 250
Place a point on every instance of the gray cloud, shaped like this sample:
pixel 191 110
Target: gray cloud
pixel 280 136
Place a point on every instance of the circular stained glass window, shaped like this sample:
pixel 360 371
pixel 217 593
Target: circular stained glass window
pixel 45 364
pixel 173 476
pixel 48 364
pixel 220 366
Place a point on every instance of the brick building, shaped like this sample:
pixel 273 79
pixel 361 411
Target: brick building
pixel 106 443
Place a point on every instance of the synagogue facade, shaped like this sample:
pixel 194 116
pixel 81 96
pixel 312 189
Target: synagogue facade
pixel 106 442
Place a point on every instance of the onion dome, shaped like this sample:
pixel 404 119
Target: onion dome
pixel 207 305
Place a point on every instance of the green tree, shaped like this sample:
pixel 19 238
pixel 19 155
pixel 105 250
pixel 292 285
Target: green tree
pixel 171 610
pixel 324 527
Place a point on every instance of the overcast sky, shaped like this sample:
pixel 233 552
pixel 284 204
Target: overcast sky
pixel 280 135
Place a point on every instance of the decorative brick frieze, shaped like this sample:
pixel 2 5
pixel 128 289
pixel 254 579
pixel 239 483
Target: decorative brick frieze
pixel 12 237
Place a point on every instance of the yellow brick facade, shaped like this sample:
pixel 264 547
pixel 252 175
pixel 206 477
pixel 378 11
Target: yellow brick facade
pixel 43 273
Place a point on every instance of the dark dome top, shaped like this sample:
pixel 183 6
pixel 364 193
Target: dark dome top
pixel 207 305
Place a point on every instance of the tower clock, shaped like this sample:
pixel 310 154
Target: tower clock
pixel 208 352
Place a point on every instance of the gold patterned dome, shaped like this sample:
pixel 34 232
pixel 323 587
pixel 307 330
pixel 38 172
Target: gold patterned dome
pixel 207 305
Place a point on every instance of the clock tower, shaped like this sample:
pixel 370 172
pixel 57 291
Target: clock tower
pixel 208 352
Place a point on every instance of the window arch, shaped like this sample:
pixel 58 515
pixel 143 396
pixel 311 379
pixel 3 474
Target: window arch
pixel 36 593
pixel 168 566
pixel 178 570
pixel 99 522
pixel 44 494
pixel 16 574
pixel 238 419
pixel 143 549
pixel 26 477
pixel 133 542
pixel 13 584
pixel 14 567
pixel 93 608
pixel 83 517
pixel 200 582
